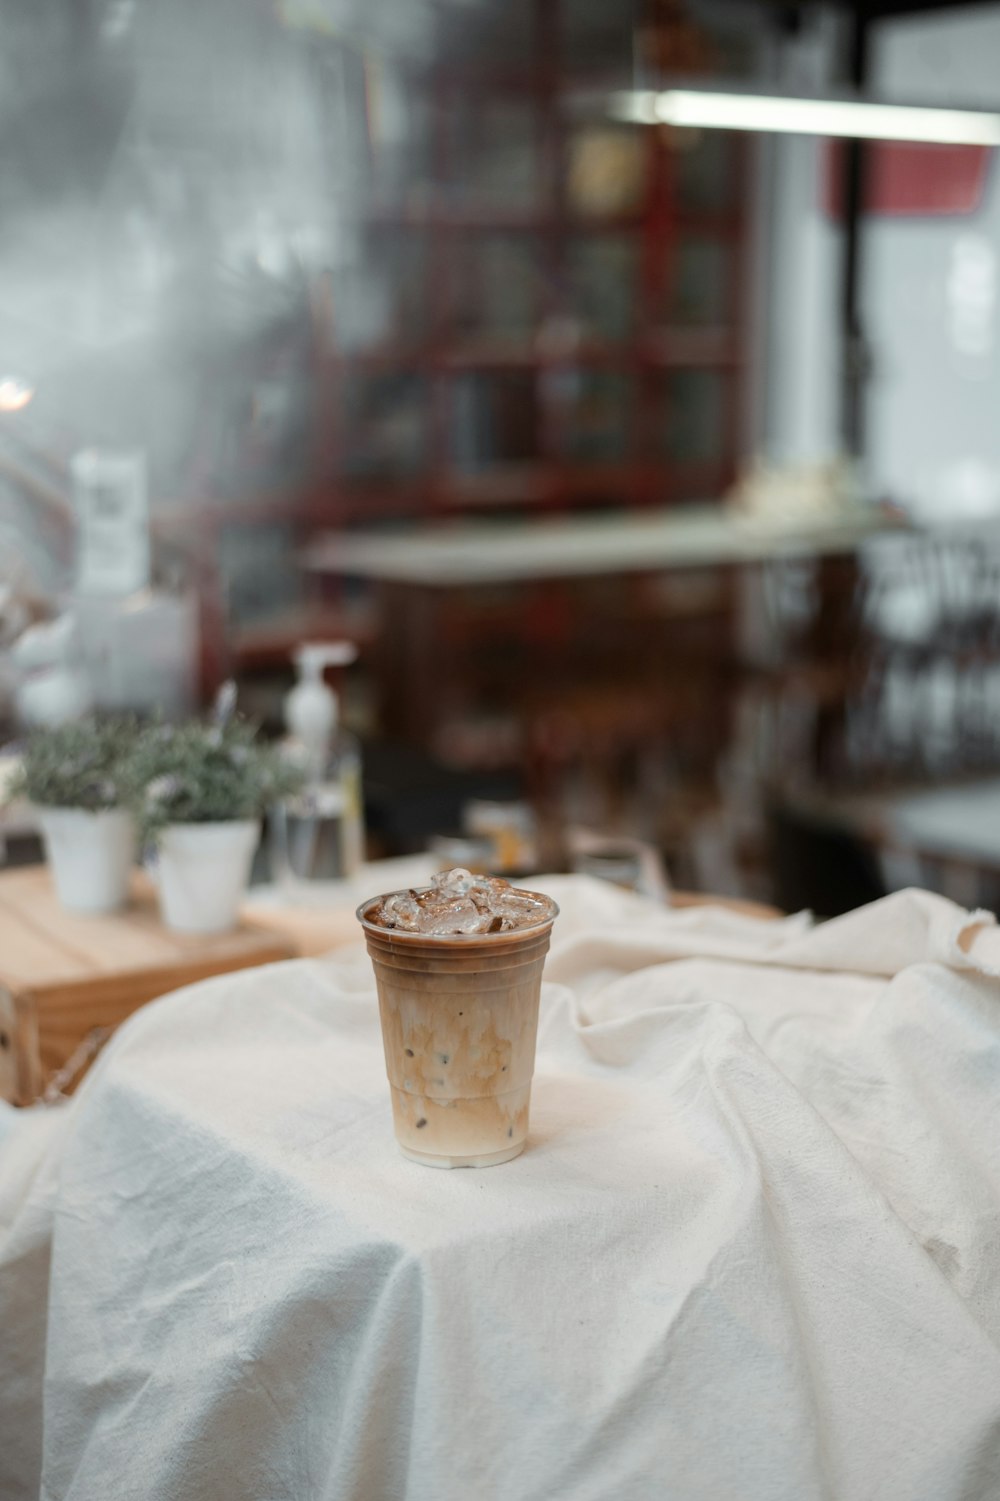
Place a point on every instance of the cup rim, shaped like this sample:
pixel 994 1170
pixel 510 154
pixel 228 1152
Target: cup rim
pixel 405 935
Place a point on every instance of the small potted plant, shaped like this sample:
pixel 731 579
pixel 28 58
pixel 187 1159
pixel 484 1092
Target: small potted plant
pixel 199 791
pixel 77 778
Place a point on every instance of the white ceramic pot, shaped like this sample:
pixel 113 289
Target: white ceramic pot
pixel 90 855
pixel 202 872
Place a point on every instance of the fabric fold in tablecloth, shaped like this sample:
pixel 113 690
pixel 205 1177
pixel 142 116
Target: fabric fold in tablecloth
pixel 751 1254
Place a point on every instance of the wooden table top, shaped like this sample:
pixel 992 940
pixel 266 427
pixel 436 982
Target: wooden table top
pixel 41 944
pixel 66 978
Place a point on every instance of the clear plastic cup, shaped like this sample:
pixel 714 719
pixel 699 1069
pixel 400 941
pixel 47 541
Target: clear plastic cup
pixel 459 1020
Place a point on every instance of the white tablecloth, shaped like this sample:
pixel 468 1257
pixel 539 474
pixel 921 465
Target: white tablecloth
pixel 752 1252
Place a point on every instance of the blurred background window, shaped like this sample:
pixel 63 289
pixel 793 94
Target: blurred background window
pixel 673 448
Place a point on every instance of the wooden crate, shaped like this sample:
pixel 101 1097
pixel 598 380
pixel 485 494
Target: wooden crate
pixel 63 975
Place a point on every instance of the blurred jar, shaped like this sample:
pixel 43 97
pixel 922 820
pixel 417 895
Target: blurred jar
pixel 620 866
pixel 463 850
pixel 310 837
pixel 629 863
pixel 511 829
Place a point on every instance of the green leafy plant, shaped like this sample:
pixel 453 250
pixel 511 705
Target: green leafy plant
pixel 205 773
pixel 85 765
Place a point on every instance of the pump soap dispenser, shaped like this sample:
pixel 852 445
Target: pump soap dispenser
pixel 319 834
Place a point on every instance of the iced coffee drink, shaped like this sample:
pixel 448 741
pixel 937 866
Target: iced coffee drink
pixel 458 967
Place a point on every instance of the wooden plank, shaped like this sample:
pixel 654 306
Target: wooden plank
pixel 105 942
pixel 65 1014
pixel 62 974
pixel 28 1072
pixel 9 1080
pixel 309 930
pixel 27 955
pixel 42 944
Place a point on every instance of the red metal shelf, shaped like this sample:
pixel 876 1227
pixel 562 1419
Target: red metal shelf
pixel 445 216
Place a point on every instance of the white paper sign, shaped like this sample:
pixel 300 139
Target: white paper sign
pixel 112 509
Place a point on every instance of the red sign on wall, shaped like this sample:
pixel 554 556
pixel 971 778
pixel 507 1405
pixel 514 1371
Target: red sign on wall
pixel 910 177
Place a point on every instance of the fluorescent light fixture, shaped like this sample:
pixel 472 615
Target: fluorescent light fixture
pixel 819 117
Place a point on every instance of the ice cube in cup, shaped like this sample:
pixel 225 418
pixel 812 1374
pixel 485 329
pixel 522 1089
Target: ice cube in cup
pixel 458 987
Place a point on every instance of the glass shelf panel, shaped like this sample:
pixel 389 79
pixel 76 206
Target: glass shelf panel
pixel 495 421
pixel 495 161
pixel 402 155
pixel 259 574
pixel 597 38
pixel 496 286
pixel 699 294
pixel 598 407
pixel 381 299
pixel 487 38
pixel 601 276
pixel 386 426
pixel 704 170
pixel 693 425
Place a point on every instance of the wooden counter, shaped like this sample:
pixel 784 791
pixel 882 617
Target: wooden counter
pixel 63 975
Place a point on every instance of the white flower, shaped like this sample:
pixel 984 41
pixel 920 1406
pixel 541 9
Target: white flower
pixel 160 788
pixel 225 702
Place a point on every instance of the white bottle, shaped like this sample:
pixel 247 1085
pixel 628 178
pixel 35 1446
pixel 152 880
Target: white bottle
pixel 320 834
pixel 54 687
